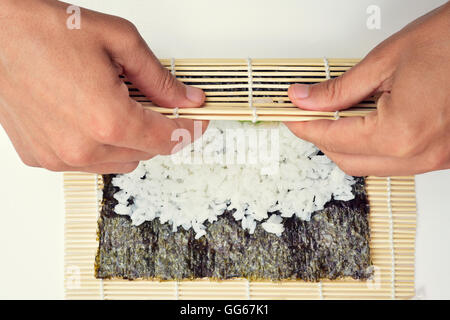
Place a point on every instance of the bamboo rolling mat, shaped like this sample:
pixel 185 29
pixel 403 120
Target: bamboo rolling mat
pixel 392 221
pixel 255 90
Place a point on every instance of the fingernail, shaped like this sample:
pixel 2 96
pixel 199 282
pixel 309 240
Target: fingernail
pixel 196 95
pixel 300 91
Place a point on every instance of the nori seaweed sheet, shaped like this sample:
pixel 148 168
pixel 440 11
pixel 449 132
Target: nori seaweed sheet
pixel 333 244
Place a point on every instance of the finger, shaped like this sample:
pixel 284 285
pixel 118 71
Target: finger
pixel 108 153
pixel 353 135
pixel 77 150
pixel 362 165
pixel 84 156
pixel 109 168
pixel 135 127
pixel 143 69
pixel 341 92
pixel 49 160
pixel 104 168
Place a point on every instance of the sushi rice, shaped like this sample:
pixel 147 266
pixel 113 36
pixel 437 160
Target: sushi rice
pixel 292 179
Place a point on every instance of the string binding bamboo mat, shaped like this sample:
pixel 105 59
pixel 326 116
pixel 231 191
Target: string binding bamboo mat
pixel 392 202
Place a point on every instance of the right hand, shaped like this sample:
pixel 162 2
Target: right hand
pixel 62 102
pixel 409 133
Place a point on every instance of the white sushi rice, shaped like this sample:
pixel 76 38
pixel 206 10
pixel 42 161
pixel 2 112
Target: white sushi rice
pixel 189 194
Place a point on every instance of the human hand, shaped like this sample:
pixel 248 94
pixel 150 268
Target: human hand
pixel 61 100
pixel 410 131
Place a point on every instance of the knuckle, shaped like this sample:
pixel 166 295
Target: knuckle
pixel 348 169
pixel 165 82
pixel 333 88
pixel 129 167
pixel 125 26
pixel 129 27
pixel 106 130
pixel 130 33
pixel 405 145
pixel 29 162
pixel 438 159
pixel 324 144
pixel 354 172
pixel 124 31
pixel 147 157
pixel 50 162
pixel 27 159
pixel 76 155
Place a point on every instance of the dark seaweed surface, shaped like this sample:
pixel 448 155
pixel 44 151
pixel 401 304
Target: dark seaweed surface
pixel 333 244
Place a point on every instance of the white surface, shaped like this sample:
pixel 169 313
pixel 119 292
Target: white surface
pixel 32 211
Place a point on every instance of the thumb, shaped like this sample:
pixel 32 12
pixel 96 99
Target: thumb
pixel 145 71
pixel 338 93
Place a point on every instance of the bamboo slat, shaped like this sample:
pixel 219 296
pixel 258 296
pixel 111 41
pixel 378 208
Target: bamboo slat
pixel 392 200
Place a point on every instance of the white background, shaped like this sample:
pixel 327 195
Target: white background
pixel 31 227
